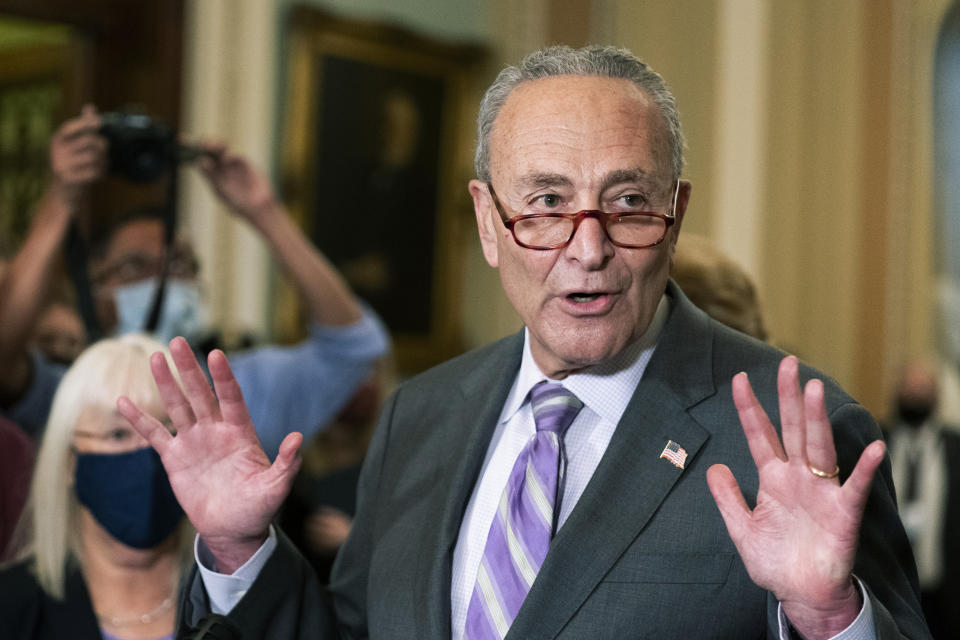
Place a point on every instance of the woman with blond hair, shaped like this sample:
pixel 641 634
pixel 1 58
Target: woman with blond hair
pixel 107 543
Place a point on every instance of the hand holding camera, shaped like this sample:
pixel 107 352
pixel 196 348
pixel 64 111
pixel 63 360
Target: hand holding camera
pixel 142 149
pixel 128 144
pixel 240 185
pixel 77 156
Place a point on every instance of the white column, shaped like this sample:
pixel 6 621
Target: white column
pixel 229 93
pixel 740 127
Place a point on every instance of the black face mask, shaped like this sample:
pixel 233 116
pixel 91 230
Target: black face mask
pixel 914 413
pixel 129 495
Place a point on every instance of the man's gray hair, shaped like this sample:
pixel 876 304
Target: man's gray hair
pixel 593 60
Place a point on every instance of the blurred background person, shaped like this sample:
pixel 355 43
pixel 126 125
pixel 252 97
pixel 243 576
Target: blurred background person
pixel 16 466
pixel 718 285
pixel 108 545
pixel 299 387
pixel 318 513
pixel 925 455
pixel 59 333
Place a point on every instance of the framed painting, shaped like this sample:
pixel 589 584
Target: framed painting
pixel 372 168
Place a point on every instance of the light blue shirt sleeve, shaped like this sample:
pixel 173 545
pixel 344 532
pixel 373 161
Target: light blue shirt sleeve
pixel 226 590
pixel 860 629
pixel 303 386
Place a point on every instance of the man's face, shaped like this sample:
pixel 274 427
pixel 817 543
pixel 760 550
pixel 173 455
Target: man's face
pixel 135 253
pixel 575 143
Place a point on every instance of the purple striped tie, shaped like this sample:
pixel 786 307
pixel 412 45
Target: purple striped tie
pixel 521 530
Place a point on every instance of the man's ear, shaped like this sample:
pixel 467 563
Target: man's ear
pixel 486 213
pixel 683 199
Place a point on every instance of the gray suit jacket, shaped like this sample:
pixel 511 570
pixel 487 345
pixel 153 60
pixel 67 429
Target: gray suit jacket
pixel 644 554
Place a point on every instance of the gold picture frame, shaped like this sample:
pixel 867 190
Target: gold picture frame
pixel 372 167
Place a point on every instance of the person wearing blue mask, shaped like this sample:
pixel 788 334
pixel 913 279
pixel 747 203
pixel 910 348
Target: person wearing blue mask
pixel 107 544
pixel 300 387
pixel 126 265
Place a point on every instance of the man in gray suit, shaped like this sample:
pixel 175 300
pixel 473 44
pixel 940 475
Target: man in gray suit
pixel 576 480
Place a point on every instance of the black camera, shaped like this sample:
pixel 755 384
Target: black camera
pixel 142 148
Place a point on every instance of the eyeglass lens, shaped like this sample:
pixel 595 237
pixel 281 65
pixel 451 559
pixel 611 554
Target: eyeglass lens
pixel 636 229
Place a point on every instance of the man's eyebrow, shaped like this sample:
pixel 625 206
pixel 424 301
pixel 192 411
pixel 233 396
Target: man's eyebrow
pixel 540 180
pixel 621 176
pixel 618 176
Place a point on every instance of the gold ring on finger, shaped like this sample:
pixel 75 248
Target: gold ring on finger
pixel 820 473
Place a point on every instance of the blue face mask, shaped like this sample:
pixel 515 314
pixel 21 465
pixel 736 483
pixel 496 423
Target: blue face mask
pixel 129 495
pixel 182 312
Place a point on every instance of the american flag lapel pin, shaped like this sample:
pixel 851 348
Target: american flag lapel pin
pixel 675 454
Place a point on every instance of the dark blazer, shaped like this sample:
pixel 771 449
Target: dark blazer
pixel 941 604
pixel 951 530
pixel 644 554
pixel 27 612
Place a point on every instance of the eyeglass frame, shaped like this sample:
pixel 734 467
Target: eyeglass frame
pixel 184 264
pixel 600 216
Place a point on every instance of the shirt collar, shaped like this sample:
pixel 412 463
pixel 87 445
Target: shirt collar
pixel 606 388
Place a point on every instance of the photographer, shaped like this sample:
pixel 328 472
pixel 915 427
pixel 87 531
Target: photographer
pixel 303 386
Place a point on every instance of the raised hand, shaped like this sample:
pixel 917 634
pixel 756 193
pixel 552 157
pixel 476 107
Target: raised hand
pixel 77 155
pixel 244 188
pixel 800 540
pixel 218 471
pixel 247 191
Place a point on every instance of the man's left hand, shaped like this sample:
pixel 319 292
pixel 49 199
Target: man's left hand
pixel 800 540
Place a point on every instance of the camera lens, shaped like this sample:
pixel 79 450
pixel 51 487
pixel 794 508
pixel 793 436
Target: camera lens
pixel 141 149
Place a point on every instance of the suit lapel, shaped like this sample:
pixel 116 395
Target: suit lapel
pixel 483 390
pixel 632 481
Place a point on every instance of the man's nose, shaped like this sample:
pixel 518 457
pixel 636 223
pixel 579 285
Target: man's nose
pixel 590 245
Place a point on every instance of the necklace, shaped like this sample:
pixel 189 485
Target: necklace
pixel 143 618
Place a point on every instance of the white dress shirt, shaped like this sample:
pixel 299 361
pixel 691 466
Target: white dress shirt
pixel 605 392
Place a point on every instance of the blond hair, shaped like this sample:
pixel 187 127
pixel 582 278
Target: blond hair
pixel 106 370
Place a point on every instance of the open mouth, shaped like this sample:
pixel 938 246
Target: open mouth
pixel 583 297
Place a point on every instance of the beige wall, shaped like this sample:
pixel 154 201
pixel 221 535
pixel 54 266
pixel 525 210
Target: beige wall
pixel 847 242
pixel 809 149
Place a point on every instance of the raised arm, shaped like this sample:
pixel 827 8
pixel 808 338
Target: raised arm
pixel 247 192
pixel 77 158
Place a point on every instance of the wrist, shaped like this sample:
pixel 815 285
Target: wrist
pixel 826 618
pixel 261 213
pixel 61 199
pixel 271 221
pixel 231 553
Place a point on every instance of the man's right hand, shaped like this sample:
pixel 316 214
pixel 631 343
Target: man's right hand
pixel 217 468
pixel 78 155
